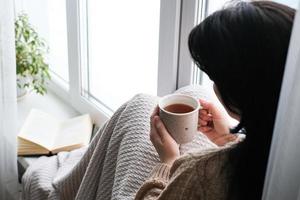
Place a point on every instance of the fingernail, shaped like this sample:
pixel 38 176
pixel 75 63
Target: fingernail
pixel 202 100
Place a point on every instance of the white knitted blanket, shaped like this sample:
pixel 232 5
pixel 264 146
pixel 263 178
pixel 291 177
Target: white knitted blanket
pixel 114 165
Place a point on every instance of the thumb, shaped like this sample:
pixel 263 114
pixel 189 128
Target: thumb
pixel 212 108
pixel 161 129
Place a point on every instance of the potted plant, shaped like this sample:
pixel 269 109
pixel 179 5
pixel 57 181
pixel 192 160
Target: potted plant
pixel 31 50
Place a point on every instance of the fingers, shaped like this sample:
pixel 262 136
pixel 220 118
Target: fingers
pixel 161 129
pixel 155 138
pixel 158 129
pixel 204 115
pixel 205 129
pixel 220 141
pixel 210 108
pixel 154 113
pixel 159 133
pixel 203 122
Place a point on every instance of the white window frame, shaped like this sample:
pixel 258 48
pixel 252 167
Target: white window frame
pixel 193 11
pixel 177 18
pixel 169 34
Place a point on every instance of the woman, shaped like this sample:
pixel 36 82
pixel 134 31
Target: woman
pixel 243 50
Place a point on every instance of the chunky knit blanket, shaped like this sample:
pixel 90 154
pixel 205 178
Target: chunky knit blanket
pixel 114 165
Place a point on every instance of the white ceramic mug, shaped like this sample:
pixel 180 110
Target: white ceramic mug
pixel 181 126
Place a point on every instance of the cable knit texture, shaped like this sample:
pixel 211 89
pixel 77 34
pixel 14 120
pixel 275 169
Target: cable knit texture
pixel 195 176
pixel 120 159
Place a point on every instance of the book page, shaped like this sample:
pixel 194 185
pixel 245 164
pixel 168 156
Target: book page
pixel 74 131
pixel 40 128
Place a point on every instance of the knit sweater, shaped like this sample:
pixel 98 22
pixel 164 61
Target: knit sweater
pixel 202 175
pixel 116 163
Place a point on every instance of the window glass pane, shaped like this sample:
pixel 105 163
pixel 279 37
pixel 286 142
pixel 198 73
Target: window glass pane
pixel 215 5
pixel 122 49
pixel 48 18
pixel 291 3
pixel 58 38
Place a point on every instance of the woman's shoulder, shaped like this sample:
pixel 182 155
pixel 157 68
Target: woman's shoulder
pixel 206 174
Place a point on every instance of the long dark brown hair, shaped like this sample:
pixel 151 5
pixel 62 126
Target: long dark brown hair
pixel 243 49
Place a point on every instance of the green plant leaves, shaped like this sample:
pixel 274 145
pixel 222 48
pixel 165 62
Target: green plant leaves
pixel 31 53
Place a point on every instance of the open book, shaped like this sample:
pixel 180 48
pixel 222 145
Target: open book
pixel 43 134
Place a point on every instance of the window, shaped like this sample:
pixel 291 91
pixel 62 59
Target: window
pixel 49 19
pixel 122 49
pixel 291 3
pixel 106 51
pixel 58 39
pixel 119 48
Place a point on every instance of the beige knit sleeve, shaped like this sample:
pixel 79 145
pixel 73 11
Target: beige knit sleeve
pixel 157 181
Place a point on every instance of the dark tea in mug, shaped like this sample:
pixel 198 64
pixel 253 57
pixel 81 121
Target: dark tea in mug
pixel 179 108
pixel 179 113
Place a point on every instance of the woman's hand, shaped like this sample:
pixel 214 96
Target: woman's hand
pixel 214 124
pixel 165 145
